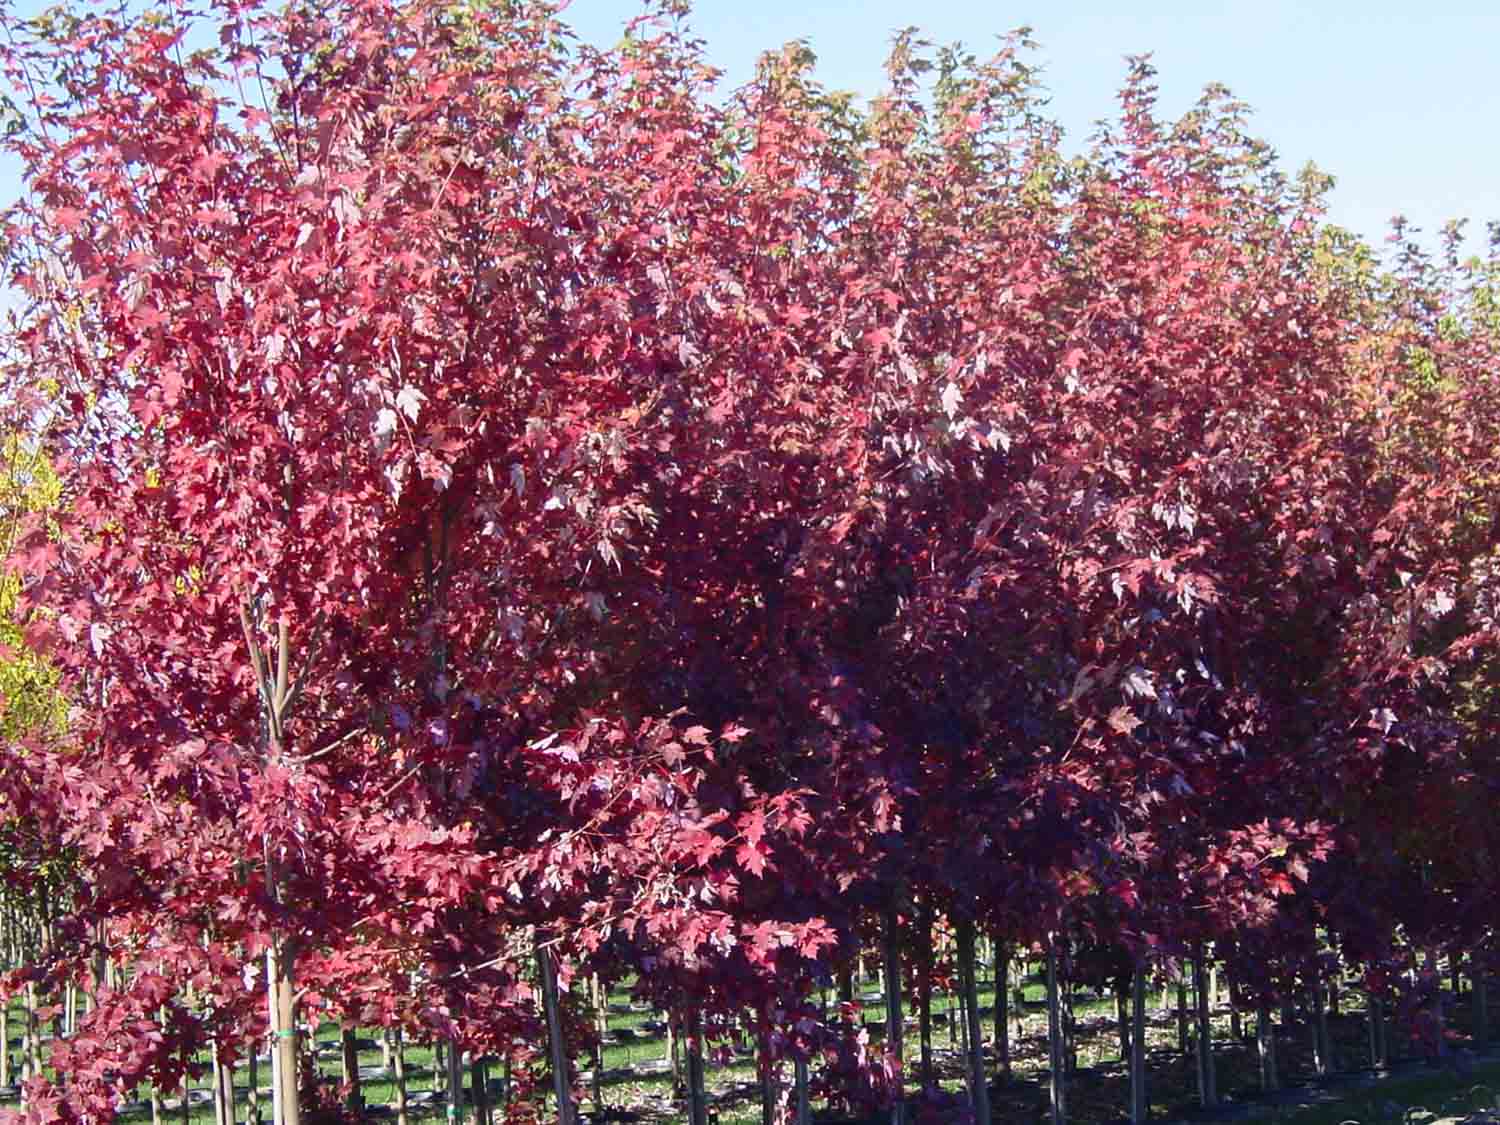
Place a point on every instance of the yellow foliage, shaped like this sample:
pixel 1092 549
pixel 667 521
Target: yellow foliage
pixel 29 699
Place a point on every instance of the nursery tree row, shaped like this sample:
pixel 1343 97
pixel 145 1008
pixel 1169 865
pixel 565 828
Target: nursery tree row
pixel 497 516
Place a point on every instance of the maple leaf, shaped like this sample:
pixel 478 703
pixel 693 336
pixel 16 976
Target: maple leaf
pixel 752 859
pixel 1123 720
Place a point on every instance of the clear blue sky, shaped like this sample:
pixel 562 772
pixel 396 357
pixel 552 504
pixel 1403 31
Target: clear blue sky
pixel 1398 100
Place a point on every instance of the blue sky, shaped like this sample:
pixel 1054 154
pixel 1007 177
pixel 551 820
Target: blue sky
pixel 1399 101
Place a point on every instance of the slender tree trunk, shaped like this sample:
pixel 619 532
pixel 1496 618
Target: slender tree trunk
pixel 979 1091
pixel 955 1019
pixel 455 1080
pixel 1208 1092
pixel 31 1038
pixel 398 1063
pixel 803 1102
pixel 479 1083
pixel 101 969
pixel 1323 1054
pixel 1070 1025
pixel 893 1026
pixel 272 668
pixel 1265 1047
pixel 4 1044
pixel 1138 1104
pixel 349 1066
pixel 1058 1087
pixel 924 993
pixel 556 1043
pixel 252 1095
pixel 284 1047
pixel 1236 1026
pixel 1122 1025
pixel 1002 1010
pixel 674 1056
pixel 185 1110
pixel 601 1032
pixel 766 1067
pixel 226 1081
pixel 216 1072
pixel 697 1096
pixel 1182 1013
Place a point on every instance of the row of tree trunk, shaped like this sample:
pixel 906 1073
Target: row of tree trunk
pixel 1194 1037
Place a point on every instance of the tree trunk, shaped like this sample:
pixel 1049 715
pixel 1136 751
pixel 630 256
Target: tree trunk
pixel 979 1091
pixel 1070 1025
pixel 349 1068
pixel 697 1097
pixel 1122 1025
pixel 4 1044
pixel 398 1064
pixel 1265 1047
pixel 1236 1027
pixel 601 1032
pixel 1002 1010
pixel 479 1084
pixel 1323 1054
pixel 283 999
pixel 1182 1013
pixel 252 1094
pixel 674 1055
pixel 893 1026
pixel 186 1109
pixel 555 1041
pixel 216 1073
pixel 766 1066
pixel 455 1080
pixel 1208 1087
pixel 272 668
pixel 1138 1104
pixel 804 1103
pixel 31 1043
pixel 226 1085
pixel 1058 1087
pixel 924 993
